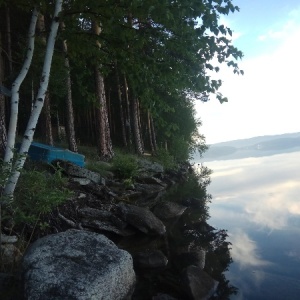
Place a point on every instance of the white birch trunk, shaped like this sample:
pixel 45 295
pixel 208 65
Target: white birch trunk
pixel 11 135
pixel 38 105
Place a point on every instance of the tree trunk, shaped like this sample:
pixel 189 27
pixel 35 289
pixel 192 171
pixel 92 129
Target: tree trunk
pixel 105 150
pixel 41 29
pixel 128 111
pixel 8 41
pixel 153 134
pixel 47 119
pixel 3 134
pixel 69 102
pixel 104 141
pixel 121 111
pixel 11 136
pixel 29 133
pixel 136 127
pixel 150 132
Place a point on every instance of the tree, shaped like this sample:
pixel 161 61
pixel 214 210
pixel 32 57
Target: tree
pixel 29 133
pixel 69 100
pixel 12 129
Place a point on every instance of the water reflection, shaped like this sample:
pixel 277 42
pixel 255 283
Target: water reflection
pixel 258 201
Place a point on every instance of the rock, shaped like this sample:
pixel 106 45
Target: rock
pixel 150 202
pixel 81 181
pixel 149 189
pixel 106 226
pixel 196 258
pixel 10 254
pixel 93 213
pixel 8 239
pixel 150 166
pixel 77 171
pixel 141 218
pixel 198 284
pixel 166 210
pixel 150 259
pixel 77 265
pixel 150 180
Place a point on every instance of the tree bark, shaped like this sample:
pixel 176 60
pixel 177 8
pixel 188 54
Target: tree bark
pixel 41 29
pixel 3 133
pixel 11 136
pixel 153 134
pixel 121 110
pixel 150 132
pixel 8 41
pixel 128 111
pixel 47 119
pixel 104 141
pixel 136 127
pixel 29 133
pixel 105 150
pixel 69 102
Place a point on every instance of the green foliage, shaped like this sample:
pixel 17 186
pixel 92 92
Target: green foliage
pixel 38 193
pixel 125 166
pixel 166 159
pixel 98 166
pixel 193 187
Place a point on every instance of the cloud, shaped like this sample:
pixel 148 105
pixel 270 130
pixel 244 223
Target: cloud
pixel 245 251
pixel 265 191
pixel 283 29
pixel 263 101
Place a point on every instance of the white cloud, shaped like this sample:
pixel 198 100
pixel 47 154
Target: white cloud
pixel 265 193
pixel 263 101
pixel 245 251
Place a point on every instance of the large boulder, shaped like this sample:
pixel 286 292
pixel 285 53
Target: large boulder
pixel 198 284
pixel 77 265
pixel 166 210
pixel 150 259
pixel 141 218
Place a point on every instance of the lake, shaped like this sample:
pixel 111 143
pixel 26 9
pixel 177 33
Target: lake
pixel 258 201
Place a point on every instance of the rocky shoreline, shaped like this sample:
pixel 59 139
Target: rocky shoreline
pixel 114 240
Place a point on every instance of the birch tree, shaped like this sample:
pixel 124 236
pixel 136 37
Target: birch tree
pixel 11 135
pixel 38 105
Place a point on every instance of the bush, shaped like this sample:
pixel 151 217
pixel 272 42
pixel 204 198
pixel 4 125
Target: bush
pixel 166 159
pixel 37 193
pixel 125 166
pixel 100 167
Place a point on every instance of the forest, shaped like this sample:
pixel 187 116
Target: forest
pixel 109 74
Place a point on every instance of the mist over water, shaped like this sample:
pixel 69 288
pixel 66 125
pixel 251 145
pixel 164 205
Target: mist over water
pixel 258 201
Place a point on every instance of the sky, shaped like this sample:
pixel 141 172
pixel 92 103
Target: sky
pixel 266 100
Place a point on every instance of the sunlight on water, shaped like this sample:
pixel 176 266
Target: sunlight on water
pixel 258 201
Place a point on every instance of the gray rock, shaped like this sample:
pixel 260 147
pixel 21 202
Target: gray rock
pixel 166 210
pixel 106 226
pixel 149 189
pixel 150 180
pixel 8 239
pixel 77 265
pixel 150 166
pixel 192 257
pixel 77 171
pixel 81 181
pixel 93 213
pixel 198 284
pixel 141 218
pixel 150 259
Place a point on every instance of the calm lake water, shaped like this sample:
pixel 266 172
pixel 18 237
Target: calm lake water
pixel 258 201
